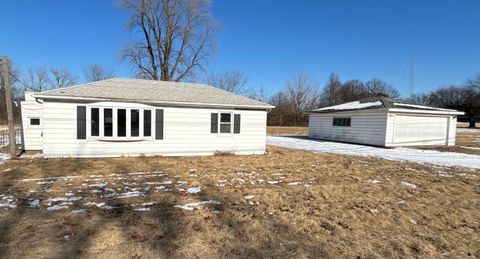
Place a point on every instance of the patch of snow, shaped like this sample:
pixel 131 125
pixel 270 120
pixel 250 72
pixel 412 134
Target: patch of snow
pixel 141 209
pixel 294 183
pixel 394 154
pixel 272 182
pixel 351 106
pixel 374 181
pixel 248 197
pixel 4 157
pixel 8 169
pixel 414 222
pixel 181 182
pixel 192 206
pixel 49 178
pixel 421 107
pixel 166 182
pixel 410 185
pixel 78 211
pixel 194 190
pixel 67 237
pixel 57 207
pixel 129 194
pixel 96 204
pixel 33 203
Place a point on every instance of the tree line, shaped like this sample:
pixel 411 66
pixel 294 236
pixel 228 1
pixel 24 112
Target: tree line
pixel 41 78
pixel 464 97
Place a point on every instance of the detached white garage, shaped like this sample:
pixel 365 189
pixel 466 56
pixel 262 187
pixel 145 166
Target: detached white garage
pixel 384 122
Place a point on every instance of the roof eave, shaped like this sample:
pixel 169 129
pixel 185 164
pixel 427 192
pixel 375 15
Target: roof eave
pixel 184 104
pixel 439 112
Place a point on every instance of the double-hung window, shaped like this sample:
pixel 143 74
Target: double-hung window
pixel 225 123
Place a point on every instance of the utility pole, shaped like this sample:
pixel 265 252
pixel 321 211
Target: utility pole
pixel 8 102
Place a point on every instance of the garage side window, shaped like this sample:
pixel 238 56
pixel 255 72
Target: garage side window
pixel 342 122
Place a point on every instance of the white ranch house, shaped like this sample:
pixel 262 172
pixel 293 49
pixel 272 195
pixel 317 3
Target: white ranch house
pixel 134 117
pixel 384 122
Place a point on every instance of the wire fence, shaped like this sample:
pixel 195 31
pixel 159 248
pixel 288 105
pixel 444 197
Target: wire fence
pixel 4 137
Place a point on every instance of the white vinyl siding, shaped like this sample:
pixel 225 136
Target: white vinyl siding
pixel 186 132
pixel 31 134
pixel 365 128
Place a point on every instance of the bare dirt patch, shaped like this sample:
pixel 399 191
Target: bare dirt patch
pixel 288 203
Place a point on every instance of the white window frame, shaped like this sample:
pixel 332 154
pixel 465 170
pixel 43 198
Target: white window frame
pixel 30 122
pixel 115 136
pixel 219 123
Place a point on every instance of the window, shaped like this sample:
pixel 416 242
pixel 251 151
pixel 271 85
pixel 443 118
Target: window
pixel 95 122
pixel 121 123
pixel 34 121
pixel 134 123
pixel 147 123
pixel 342 122
pixel 225 123
pixel 107 123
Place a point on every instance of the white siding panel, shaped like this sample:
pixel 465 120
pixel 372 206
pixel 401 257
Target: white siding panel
pixel 186 132
pixel 366 128
pixel 32 134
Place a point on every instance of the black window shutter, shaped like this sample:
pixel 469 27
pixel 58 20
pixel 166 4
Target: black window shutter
pixel 214 123
pixel 81 122
pixel 236 124
pixel 158 124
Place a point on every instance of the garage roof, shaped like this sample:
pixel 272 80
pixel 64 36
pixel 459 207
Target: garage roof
pixel 381 103
pixel 163 92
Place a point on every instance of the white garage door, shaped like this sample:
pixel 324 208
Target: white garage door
pixel 420 130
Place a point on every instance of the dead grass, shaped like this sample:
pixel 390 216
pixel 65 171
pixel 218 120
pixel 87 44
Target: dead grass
pixel 467 141
pixel 287 131
pixel 341 214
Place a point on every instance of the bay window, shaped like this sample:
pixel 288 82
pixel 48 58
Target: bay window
pixel 107 122
pixel 118 124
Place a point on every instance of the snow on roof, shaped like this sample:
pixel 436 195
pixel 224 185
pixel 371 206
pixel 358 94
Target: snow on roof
pixel 380 103
pixel 421 107
pixel 351 106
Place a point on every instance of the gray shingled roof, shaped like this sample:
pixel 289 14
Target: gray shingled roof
pixel 139 90
pixel 377 103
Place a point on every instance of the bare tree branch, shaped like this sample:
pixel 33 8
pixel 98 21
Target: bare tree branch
pixel 97 72
pixel 176 37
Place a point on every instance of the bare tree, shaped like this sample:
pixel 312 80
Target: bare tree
pixel 176 37
pixel 331 91
pixel 231 81
pixel 97 72
pixel 61 77
pixel 377 87
pixel 474 81
pixel 302 95
pixel 259 94
pixel 37 79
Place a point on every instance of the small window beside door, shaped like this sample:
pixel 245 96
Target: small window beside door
pixel 34 121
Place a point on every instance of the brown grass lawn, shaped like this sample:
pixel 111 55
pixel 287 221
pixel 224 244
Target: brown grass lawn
pixel 285 204
pixel 286 131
